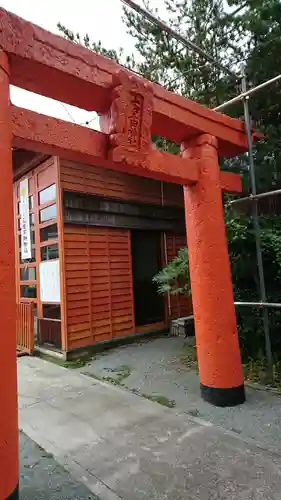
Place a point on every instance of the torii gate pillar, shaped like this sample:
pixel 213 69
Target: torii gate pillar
pixel 220 369
pixel 9 468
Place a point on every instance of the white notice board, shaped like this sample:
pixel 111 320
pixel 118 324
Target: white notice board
pixel 49 271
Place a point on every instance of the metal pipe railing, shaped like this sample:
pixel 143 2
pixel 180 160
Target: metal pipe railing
pixel 255 216
pixel 246 94
pixel 253 197
pixel 259 305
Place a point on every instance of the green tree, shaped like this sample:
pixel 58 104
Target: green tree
pixel 168 62
pixel 174 279
pixel 260 21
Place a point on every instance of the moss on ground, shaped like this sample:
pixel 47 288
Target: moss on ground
pixel 162 400
pixel 254 370
pixel 121 373
pixel 188 357
pixel 45 454
pixel 75 363
pixel 51 359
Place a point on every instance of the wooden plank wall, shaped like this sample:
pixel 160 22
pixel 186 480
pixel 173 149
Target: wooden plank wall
pixel 99 291
pixel 98 277
pixel 179 305
pixel 102 182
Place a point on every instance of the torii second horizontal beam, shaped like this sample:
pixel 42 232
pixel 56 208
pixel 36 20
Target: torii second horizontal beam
pixel 45 134
pixel 49 135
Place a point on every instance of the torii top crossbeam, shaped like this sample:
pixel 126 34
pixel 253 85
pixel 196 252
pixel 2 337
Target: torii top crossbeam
pixel 49 65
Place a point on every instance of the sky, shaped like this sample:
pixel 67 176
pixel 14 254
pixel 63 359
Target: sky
pixel 101 19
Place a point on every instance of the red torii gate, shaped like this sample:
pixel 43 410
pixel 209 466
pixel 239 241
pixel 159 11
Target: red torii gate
pixel 131 109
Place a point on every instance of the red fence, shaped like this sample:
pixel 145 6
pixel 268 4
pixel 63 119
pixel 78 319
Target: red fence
pixel 25 327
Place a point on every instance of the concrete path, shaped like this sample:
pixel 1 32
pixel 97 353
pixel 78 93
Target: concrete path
pixel 125 447
pixel 154 368
pixel 41 478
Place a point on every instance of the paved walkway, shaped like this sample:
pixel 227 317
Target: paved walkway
pixel 41 478
pixel 154 368
pixel 126 447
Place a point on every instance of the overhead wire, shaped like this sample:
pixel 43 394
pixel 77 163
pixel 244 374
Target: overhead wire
pixel 187 43
pixel 68 112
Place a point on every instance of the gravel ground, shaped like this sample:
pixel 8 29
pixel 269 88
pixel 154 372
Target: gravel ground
pixel 153 368
pixel 41 478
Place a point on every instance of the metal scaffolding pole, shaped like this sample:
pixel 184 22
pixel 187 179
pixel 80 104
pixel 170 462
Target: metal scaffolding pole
pixel 259 305
pixel 252 197
pixel 247 93
pixel 187 43
pixel 255 216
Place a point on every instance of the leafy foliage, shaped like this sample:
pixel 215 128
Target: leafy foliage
pixel 261 22
pixel 168 62
pixel 242 252
pixel 174 278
